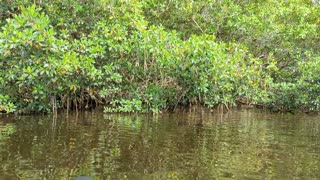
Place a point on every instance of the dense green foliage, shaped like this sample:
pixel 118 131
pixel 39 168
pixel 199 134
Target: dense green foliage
pixel 154 55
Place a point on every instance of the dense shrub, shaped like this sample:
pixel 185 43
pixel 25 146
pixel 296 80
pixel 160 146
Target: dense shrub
pixel 155 55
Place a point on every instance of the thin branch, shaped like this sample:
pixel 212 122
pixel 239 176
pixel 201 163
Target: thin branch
pixel 197 24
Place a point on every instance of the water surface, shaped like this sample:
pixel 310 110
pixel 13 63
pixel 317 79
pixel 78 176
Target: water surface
pixel 193 144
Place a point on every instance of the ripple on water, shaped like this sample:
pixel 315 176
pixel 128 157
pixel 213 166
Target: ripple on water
pixel 244 144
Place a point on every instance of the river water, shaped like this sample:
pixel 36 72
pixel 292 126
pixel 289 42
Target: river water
pixel 190 144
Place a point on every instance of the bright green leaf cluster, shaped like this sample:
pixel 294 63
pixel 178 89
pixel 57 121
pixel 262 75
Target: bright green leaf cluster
pixel 157 55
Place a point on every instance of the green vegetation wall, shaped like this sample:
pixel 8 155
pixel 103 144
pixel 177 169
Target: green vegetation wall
pixel 155 55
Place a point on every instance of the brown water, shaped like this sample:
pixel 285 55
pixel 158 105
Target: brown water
pixel 242 144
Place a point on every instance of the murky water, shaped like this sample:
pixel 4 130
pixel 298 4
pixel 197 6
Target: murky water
pixel 242 144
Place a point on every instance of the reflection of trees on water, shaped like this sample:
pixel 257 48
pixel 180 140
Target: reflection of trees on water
pixel 202 145
pixel 37 151
pixel 206 145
